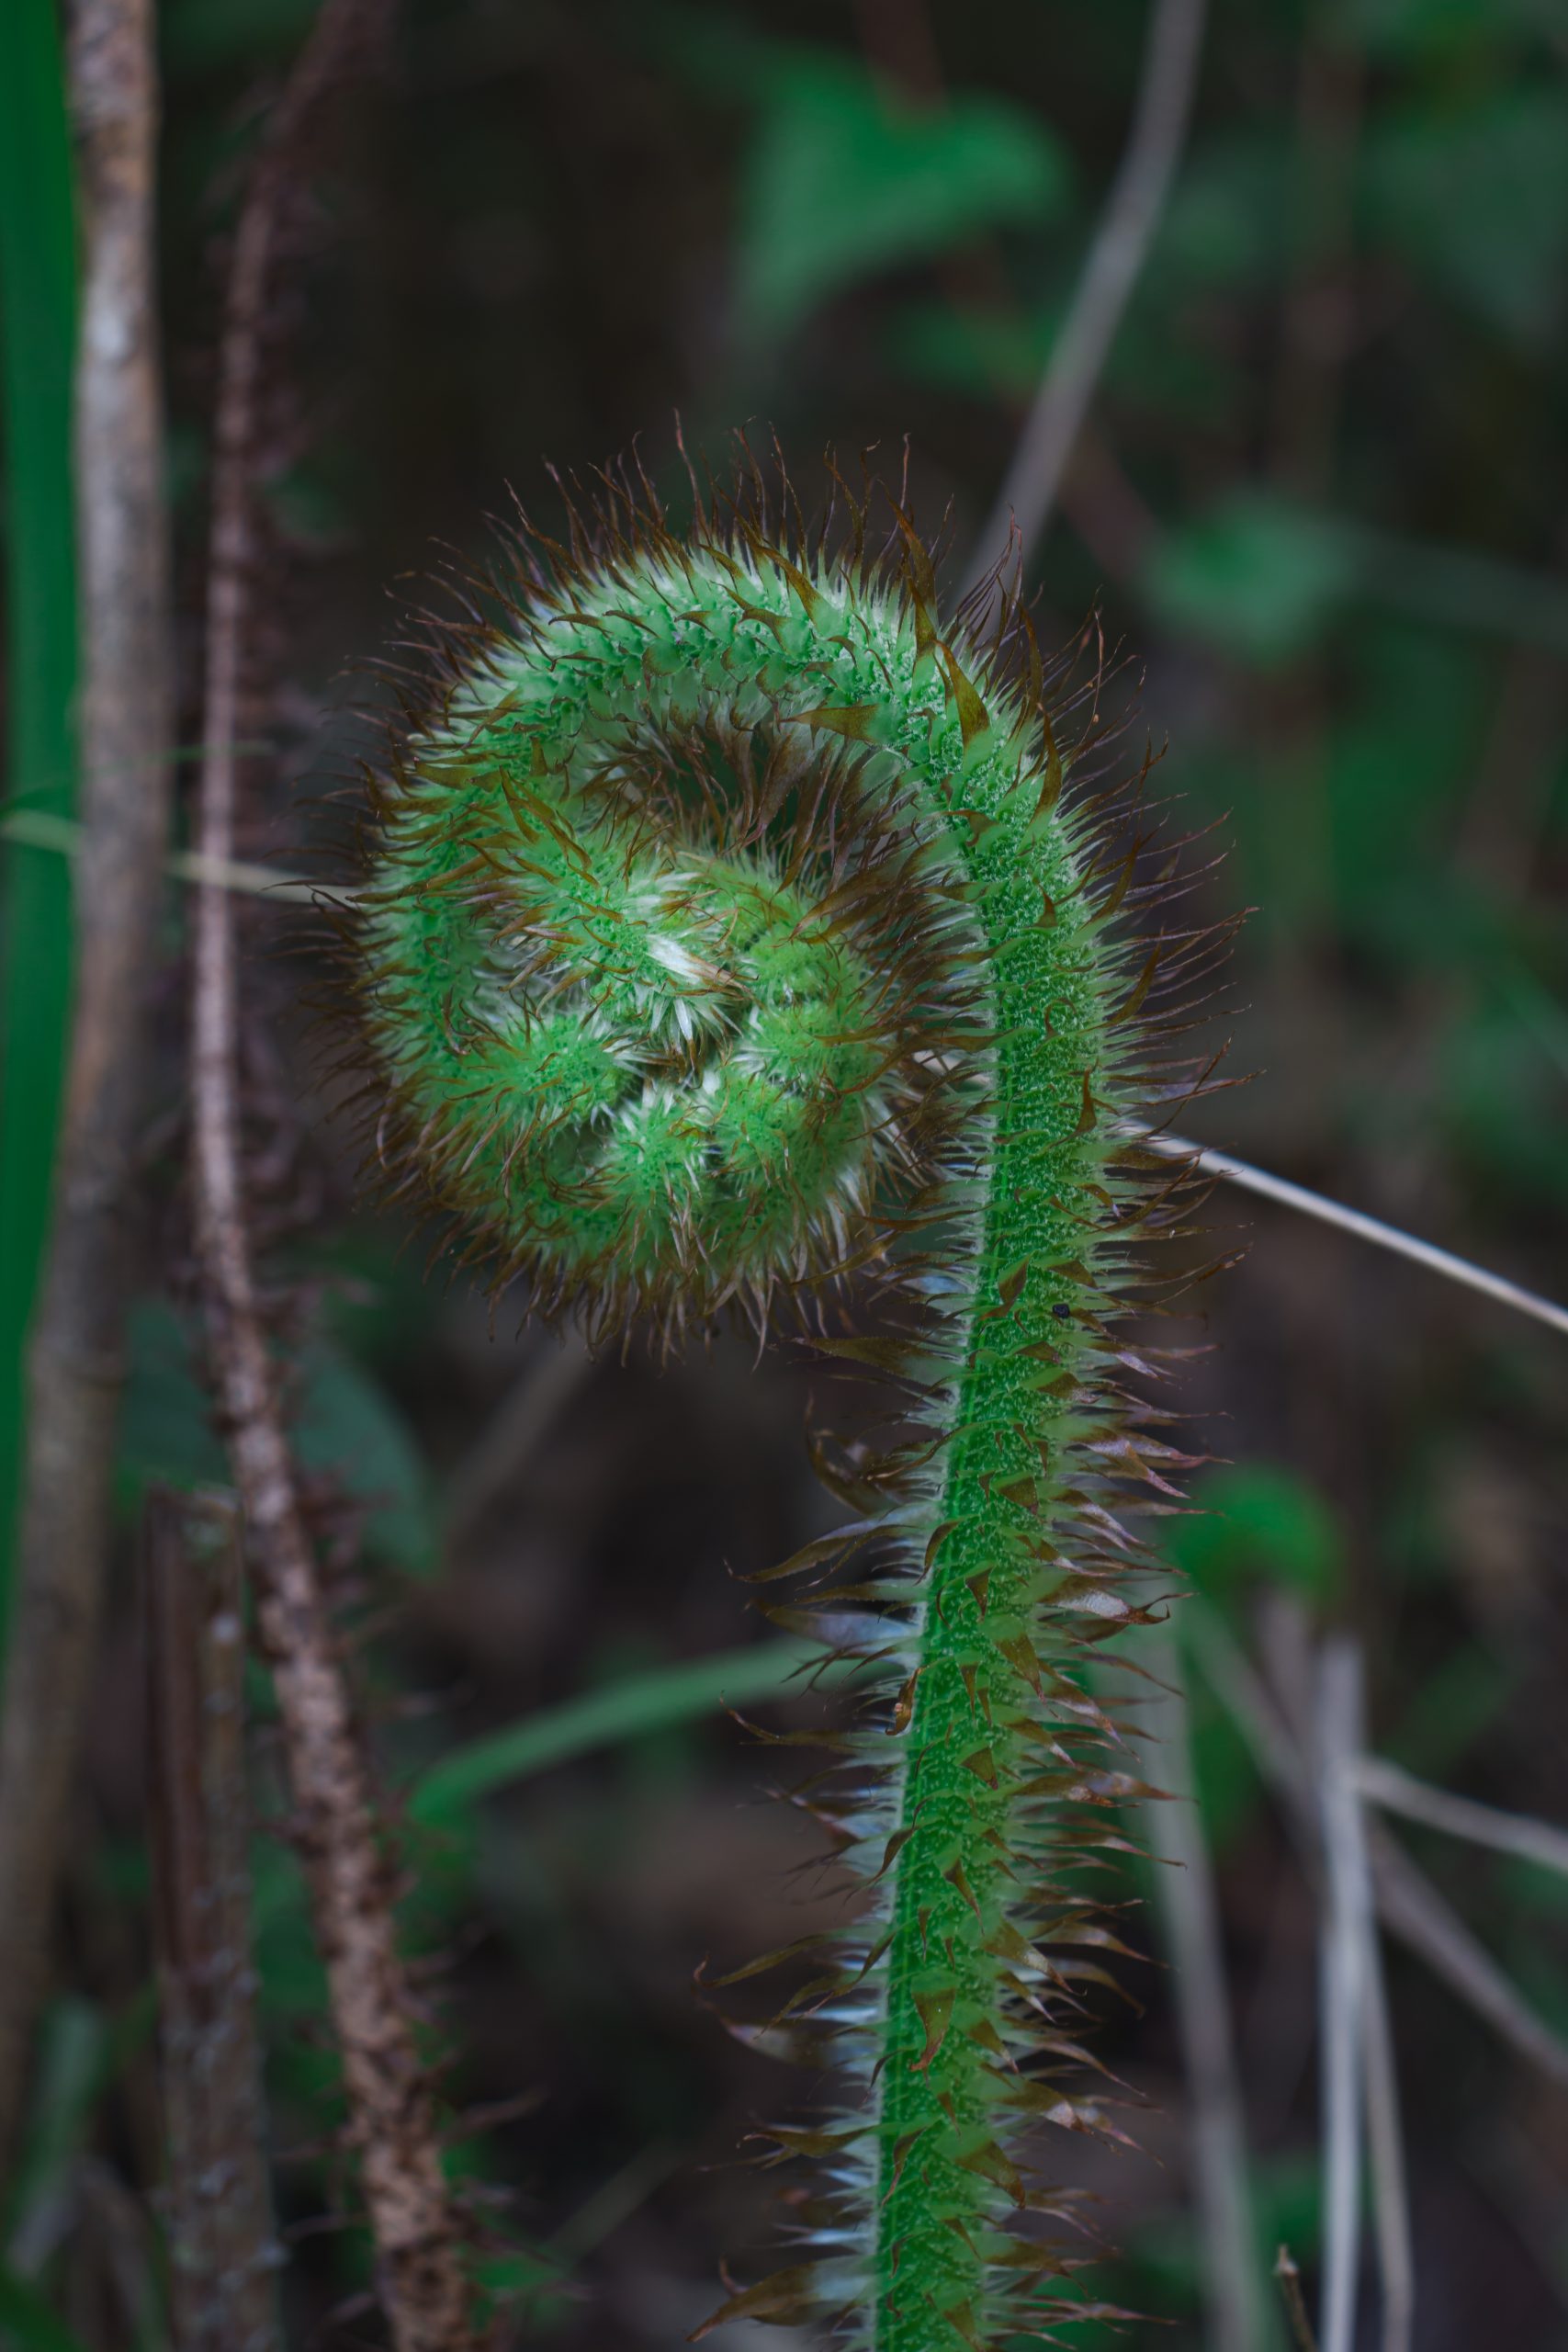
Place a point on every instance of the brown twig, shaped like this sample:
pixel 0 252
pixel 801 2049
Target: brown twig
pixel 1116 256
pixel 1290 2279
pixel 391 2108
pixel 222 2251
pixel 75 1369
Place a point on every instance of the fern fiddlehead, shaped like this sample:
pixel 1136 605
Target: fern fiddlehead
pixel 733 930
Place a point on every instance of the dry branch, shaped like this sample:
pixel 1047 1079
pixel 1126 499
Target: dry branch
pixel 75 1370
pixel 392 2110
pixel 1289 2282
pixel 222 2254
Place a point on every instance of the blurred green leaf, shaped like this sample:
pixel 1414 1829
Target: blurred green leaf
pixel 197 36
pixel 25 2319
pixel 288 1970
pixel 530 2279
pixel 1531 1886
pixel 1254 575
pixel 1264 578
pixel 74 2043
pixel 1450 1710
pixel 166 1436
pixel 343 1425
pixel 625 1710
pixel 1501 1120
pixel 845 178
pixel 1542 1015
pixel 1227 223
pixel 1224 229
pixel 1409 734
pixel 960 351
pixel 1225 1777
pixel 1477 201
pixel 1459 587
pixel 1418 29
pixel 1260 1520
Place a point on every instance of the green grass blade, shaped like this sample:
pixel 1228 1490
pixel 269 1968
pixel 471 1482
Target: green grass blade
pixel 37 338
pixel 645 1702
pixel 27 2320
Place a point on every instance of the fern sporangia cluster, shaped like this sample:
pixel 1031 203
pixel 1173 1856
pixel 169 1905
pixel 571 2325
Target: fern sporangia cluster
pixel 738 934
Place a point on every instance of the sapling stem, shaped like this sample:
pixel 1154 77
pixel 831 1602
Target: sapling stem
pixel 421 2275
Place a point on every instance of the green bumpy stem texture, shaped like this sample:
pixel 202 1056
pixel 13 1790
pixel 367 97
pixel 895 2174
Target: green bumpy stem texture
pixel 733 931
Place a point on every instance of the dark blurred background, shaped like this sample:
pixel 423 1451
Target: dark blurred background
pixel 1322 503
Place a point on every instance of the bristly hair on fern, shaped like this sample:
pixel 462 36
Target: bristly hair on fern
pixel 740 935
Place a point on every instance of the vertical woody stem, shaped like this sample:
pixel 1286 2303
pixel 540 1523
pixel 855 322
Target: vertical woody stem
pixel 221 2248
pixel 75 1369
pixel 391 2108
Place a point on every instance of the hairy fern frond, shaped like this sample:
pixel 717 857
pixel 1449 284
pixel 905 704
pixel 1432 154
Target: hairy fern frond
pixel 738 933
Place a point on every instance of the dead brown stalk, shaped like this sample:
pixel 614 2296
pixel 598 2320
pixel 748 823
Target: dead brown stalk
pixel 221 2248
pixel 392 2110
pixel 74 1368
pixel 1290 2281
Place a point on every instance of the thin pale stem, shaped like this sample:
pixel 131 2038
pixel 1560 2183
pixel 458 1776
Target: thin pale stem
pixel 1348 1924
pixel 1365 1228
pixel 75 1369
pixel 1408 1904
pixel 38 829
pixel 1115 259
pixel 1188 1905
pixel 1412 1909
pixel 507 1441
pixel 1396 1790
pixel 1385 2143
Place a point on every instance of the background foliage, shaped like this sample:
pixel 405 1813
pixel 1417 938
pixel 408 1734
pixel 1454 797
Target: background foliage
pixel 1324 500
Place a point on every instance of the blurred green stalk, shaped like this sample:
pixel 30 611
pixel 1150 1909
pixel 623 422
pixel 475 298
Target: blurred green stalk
pixel 38 324
pixel 623 1710
pixel 24 2315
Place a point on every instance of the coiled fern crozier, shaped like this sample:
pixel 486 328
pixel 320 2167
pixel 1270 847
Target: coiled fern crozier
pixel 737 935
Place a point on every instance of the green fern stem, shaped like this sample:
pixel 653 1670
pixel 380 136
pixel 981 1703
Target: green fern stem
pixel 993 1641
pixel 731 932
